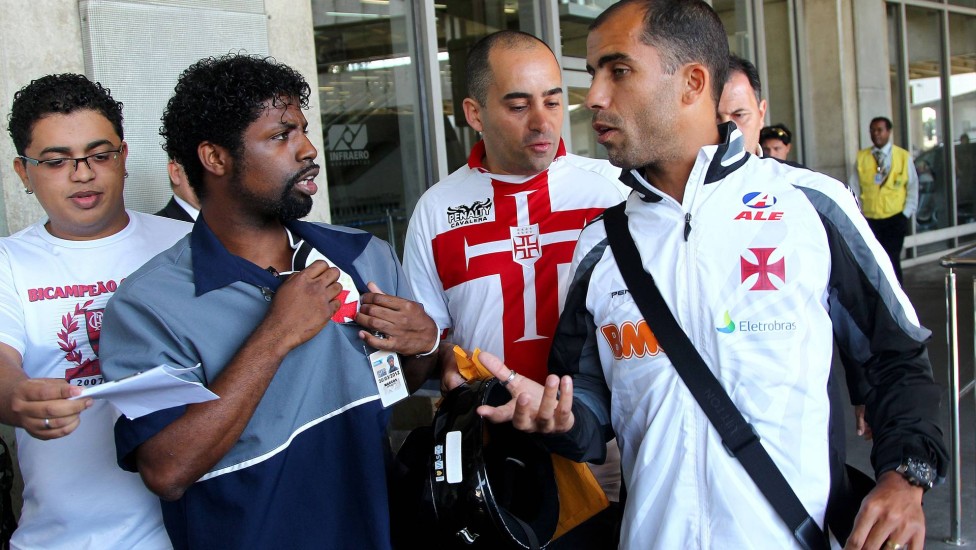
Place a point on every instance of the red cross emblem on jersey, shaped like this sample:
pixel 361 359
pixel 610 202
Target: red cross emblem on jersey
pixel 523 245
pixel 347 311
pixel 763 268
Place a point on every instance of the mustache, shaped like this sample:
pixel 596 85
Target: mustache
pixel 293 181
pixel 536 137
pixel 607 119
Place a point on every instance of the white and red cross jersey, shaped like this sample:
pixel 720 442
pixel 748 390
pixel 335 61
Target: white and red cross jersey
pixel 488 255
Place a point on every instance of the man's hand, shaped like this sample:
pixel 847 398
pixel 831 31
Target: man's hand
pixel 176 457
pixel 41 406
pixel 406 328
pixel 860 424
pixel 533 408
pixel 891 513
pixel 303 304
pixel 450 375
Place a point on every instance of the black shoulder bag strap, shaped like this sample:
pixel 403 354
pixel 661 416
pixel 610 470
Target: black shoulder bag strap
pixel 738 436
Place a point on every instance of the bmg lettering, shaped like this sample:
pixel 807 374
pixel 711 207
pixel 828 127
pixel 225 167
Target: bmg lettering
pixel 629 340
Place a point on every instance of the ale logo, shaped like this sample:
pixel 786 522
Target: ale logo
pixel 758 200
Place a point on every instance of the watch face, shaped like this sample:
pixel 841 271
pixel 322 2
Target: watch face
pixel 917 472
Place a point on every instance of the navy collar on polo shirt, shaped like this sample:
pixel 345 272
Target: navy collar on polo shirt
pixel 215 267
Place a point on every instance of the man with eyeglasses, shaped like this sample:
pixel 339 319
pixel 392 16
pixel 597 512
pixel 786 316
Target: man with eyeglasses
pixel 55 279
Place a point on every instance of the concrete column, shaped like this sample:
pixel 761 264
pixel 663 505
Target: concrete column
pixel 871 57
pixel 291 39
pixel 36 38
pixel 828 86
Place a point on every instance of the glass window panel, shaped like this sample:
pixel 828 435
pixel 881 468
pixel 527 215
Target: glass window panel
pixel 925 122
pixel 962 86
pixel 895 77
pixel 369 96
pixel 580 119
pixel 778 87
pixel 967 3
pixel 575 17
pixel 734 16
pixel 461 23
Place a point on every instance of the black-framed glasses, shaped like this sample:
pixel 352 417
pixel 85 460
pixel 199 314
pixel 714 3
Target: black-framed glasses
pixel 94 161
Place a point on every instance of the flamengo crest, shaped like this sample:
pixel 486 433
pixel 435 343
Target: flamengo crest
pixel 93 329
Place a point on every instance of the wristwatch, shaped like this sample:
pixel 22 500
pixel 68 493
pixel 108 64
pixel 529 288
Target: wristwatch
pixel 918 472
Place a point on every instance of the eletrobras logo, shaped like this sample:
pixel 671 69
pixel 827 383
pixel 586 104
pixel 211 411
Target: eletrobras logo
pixel 347 144
pixel 728 325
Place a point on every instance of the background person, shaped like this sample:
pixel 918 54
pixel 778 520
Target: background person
pixel 777 142
pixel 886 185
pixel 184 204
pixel 742 102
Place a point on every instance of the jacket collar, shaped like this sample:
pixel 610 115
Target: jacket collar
pixel 215 267
pixel 726 158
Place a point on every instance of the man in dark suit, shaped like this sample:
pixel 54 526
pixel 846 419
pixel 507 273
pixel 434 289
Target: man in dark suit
pixel 183 205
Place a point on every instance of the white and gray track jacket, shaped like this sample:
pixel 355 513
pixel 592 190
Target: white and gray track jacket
pixel 763 265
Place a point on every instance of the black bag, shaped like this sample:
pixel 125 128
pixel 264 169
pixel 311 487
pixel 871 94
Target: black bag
pixel 7 521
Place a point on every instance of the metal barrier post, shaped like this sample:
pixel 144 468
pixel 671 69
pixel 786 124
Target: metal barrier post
pixel 955 470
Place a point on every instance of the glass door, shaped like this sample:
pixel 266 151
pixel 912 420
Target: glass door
pixel 368 89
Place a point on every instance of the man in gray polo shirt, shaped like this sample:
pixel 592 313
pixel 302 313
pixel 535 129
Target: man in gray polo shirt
pixel 282 317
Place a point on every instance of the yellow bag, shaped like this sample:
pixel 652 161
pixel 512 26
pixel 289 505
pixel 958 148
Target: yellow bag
pixel 580 496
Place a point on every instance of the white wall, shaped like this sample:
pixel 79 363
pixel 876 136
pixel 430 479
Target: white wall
pixel 36 38
pixel 39 38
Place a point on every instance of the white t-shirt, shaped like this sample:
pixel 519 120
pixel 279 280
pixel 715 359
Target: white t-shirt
pixel 52 294
pixel 489 255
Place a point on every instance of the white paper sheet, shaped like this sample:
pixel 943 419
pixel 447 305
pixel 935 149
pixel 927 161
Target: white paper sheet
pixel 150 391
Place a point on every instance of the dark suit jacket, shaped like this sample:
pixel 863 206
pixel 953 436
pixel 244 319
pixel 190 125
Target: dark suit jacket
pixel 175 211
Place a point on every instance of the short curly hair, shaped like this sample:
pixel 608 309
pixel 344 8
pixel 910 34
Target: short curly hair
pixel 216 99
pixel 60 94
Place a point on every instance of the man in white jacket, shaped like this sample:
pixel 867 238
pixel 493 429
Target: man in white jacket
pixel 762 266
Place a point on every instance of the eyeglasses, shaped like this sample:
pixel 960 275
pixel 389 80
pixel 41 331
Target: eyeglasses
pixel 94 161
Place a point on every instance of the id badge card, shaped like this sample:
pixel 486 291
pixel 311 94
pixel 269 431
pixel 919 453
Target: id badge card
pixel 388 376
